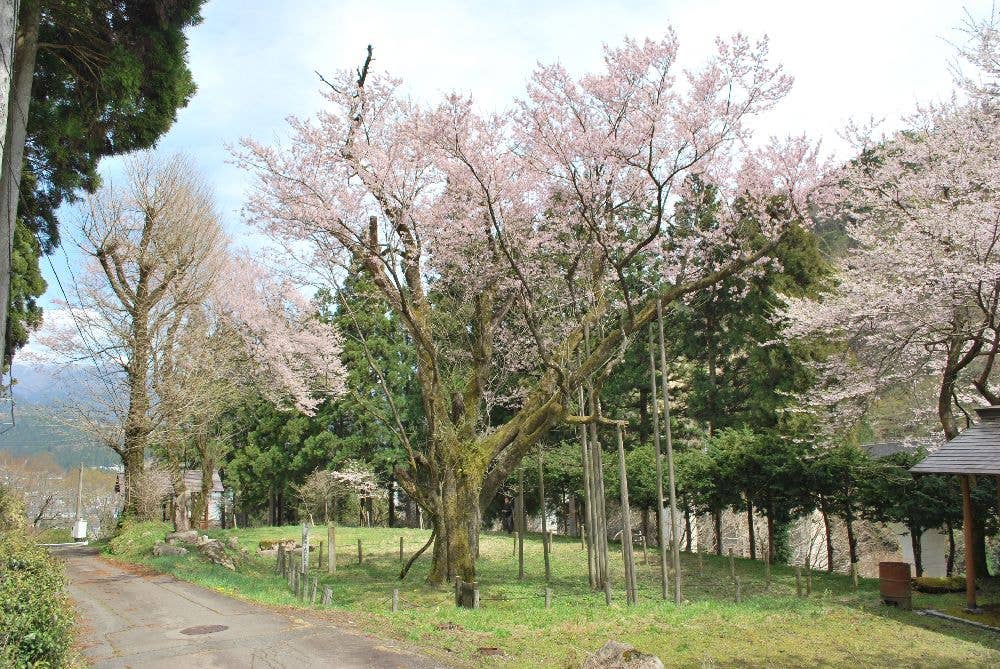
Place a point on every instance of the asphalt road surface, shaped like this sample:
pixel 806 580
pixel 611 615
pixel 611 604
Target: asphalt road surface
pixel 131 620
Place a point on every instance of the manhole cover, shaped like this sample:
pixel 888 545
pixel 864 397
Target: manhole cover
pixel 204 629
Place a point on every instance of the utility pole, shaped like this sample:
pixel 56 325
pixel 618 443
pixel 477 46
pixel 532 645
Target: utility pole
pixel 80 527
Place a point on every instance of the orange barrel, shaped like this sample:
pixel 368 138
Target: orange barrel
pixel 894 583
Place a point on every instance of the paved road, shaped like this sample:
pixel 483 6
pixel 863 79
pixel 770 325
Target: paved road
pixel 132 620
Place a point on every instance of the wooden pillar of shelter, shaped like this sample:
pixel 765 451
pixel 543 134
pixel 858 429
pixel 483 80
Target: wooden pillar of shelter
pixel 970 563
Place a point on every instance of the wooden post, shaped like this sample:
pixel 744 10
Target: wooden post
pixel 315 589
pixel 798 581
pixel 701 564
pixel 458 591
pixel 675 533
pixel 305 548
pixel 970 563
pixel 541 498
pixel 360 556
pixel 395 600
pixel 331 553
pixel 737 588
pixel 607 591
pixel 521 523
pixel 732 565
pixel 767 568
pixel 327 595
pixel 645 550
pixel 809 575
pixel 587 527
pixel 319 556
pixel 548 598
pixel 628 557
pixel 513 552
pixel 475 595
pixel 401 550
pixel 281 559
pixel 661 518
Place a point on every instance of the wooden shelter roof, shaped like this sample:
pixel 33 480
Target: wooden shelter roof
pixel 974 451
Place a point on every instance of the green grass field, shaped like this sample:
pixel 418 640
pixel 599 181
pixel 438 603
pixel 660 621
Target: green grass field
pixel 770 627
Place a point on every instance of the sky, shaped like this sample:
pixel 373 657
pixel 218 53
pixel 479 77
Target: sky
pixel 255 62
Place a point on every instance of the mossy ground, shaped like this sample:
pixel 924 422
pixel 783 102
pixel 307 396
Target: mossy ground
pixel 771 627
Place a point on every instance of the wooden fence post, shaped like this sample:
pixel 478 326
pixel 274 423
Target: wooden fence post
pixel 359 552
pixel 458 591
pixel 331 552
pixel 738 589
pixel 475 595
pixel 395 600
pixel 315 589
pixel 607 591
pixel 327 595
pixel 319 556
pixel 809 577
pixel 401 550
pixel 305 548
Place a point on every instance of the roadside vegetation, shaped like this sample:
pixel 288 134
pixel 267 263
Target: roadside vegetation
pixel 36 619
pixel 767 628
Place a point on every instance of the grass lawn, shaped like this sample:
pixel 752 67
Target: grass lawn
pixel 770 627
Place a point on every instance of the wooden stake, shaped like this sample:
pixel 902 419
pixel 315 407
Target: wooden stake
pixel 360 557
pixel 401 550
pixel 331 554
pixel 395 600
pixel 548 598
pixel 327 595
pixel 607 592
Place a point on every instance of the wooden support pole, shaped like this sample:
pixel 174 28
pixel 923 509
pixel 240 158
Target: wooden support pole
pixel 315 589
pixel 587 528
pixel 280 566
pixel 600 508
pixel 305 548
pixel 544 512
pixel 970 563
pixel 661 518
pixel 628 557
pixel 331 553
pixel 522 523
pixel 671 484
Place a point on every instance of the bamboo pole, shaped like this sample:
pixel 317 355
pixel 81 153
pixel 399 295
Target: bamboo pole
pixel 672 488
pixel 661 518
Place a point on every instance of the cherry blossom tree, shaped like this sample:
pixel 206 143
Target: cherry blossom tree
pixel 918 291
pixel 524 249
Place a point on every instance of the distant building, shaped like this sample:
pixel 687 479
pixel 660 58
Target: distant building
pixel 192 486
pixel 934 542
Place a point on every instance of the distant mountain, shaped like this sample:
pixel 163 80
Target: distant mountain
pixel 41 423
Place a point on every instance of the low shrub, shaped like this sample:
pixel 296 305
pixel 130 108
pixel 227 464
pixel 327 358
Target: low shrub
pixel 136 538
pixel 36 619
pixel 939 585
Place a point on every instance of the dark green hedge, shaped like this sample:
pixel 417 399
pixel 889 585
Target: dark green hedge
pixel 36 620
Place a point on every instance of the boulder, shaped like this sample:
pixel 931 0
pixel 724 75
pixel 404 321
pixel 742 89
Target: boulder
pixel 202 540
pixel 187 536
pixel 215 552
pixel 614 655
pixel 168 549
pixel 233 542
